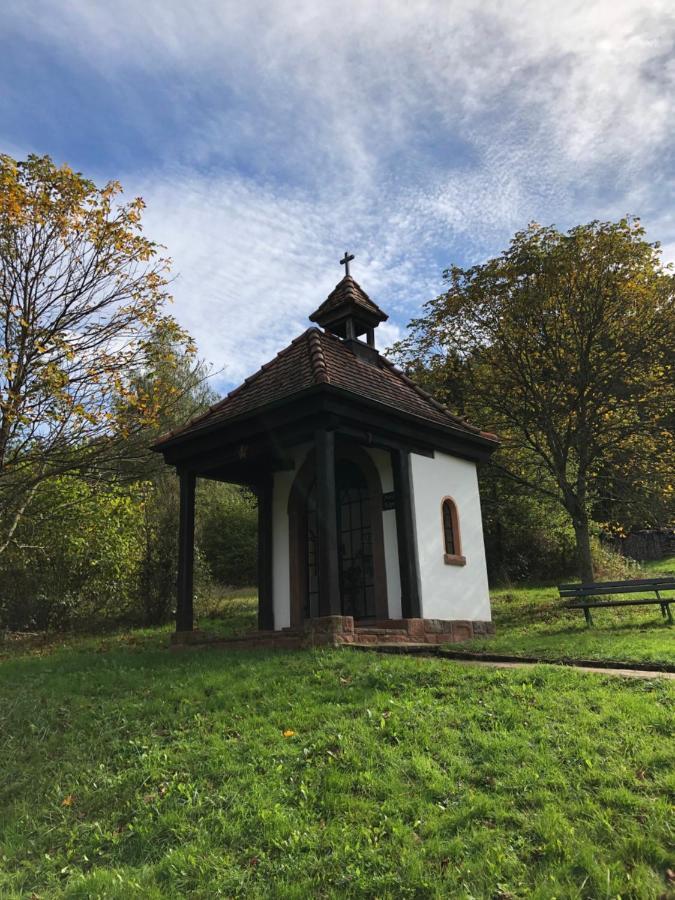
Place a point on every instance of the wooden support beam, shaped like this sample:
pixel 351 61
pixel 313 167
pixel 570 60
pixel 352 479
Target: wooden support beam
pixel 246 475
pixel 405 533
pixel 326 515
pixel 375 439
pixel 186 552
pixel 265 493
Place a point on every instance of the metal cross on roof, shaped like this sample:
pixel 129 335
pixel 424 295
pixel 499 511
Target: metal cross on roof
pixel 347 258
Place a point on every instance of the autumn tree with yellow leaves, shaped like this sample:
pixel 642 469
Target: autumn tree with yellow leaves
pixel 563 345
pixel 82 293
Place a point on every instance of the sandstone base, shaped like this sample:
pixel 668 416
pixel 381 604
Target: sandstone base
pixel 333 631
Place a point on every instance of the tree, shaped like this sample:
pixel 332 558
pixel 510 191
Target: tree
pixel 565 344
pixel 227 532
pixel 81 292
pixel 76 557
pixel 176 387
pixel 168 389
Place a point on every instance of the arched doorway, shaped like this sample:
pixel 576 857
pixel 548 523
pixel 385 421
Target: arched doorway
pixel 363 587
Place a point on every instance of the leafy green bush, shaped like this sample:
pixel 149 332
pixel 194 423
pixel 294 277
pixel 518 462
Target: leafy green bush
pixel 227 533
pixel 158 568
pixel 526 535
pixel 609 565
pixel 91 556
pixel 159 563
pixel 74 559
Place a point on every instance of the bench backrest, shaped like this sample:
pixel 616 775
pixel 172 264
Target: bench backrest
pixel 630 582
pixel 635 586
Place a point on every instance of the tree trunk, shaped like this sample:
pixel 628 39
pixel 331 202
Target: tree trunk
pixel 583 543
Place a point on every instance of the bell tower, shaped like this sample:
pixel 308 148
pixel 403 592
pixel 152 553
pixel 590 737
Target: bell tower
pixel 348 311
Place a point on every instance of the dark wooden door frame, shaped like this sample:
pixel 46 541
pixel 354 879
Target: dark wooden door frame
pixel 297 528
pixel 405 535
pixel 328 564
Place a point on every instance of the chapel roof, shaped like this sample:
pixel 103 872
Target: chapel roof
pixel 319 358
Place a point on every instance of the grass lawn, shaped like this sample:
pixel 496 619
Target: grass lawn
pixel 530 622
pixel 129 771
pixel 664 566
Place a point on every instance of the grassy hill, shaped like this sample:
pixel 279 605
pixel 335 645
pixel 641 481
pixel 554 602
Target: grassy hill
pixel 130 771
pixel 530 622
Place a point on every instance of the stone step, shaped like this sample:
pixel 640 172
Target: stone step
pixel 365 629
pixel 397 637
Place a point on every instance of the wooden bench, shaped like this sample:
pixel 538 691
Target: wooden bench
pixel 585 596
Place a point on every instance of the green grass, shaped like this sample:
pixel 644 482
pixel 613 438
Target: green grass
pixel 664 566
pixel 530 622
pixel 129 771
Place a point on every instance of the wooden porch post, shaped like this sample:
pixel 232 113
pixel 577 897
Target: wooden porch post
pixel 326 518
pixel 264 491
pixel 405 533
pixel 186 552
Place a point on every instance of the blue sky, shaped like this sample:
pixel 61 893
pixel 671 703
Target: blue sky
pixel 265 137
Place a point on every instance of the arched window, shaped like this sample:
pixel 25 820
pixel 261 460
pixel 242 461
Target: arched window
pixel 452 543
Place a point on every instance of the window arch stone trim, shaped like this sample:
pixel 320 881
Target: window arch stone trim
pixel 452 550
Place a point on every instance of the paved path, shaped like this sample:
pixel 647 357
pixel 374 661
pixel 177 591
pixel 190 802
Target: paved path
pixel 466 660
pixel 622 673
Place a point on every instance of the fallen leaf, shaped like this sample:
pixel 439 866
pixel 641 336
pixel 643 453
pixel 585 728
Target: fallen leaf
pixel 68 801
pixel 289 732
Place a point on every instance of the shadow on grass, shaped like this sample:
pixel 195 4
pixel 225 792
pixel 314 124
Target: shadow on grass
pixel 229 614
pixel 512 612
pixel 598 629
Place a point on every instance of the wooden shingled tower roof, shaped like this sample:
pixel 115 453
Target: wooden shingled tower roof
pixel 348 295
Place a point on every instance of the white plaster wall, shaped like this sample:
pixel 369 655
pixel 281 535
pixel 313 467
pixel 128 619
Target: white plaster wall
pixel 281 571
pixel 382 461
pixel 447 591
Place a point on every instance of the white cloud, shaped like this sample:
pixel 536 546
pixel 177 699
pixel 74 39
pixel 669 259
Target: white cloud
pixel 589 79
pixel 415 133
pixel 254 262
